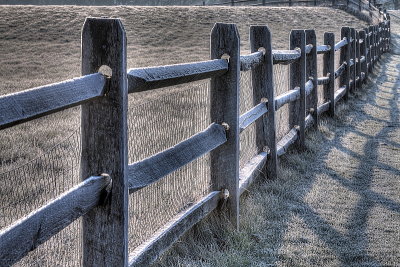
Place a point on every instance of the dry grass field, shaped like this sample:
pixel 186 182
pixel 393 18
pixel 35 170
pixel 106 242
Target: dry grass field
pixel 41 45
pixel 287 222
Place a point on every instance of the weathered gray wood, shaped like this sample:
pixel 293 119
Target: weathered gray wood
pixel 263 87
pixel 322 49
pixel 297 109
pixel 251 171
pixel 225 40
pixel 289 96
pixel 249 61
pixel 323 80
pixel 368 50
pixel 353 67
pixel 309 48
pixel 309 87
pixel 153 168
pixel 251 116
pixel 309 121
pixel 324 108
pixel 104 144
pixel 312 73
pixel 340 70
pixel 28 233
pixel 341 92
pixel 341 43
pixel 285 57
pixel 289 139
pixel 40 101
pixel 143 79
pixel 358 61
pixel 373 47
pixel 345 54
pixel 329 71
pixel 363 53
pixel 149 251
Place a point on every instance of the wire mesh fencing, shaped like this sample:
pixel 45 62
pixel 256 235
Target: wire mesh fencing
pixel 153 127
pixel 31 185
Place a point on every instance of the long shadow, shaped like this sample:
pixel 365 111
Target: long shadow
pixel 356 239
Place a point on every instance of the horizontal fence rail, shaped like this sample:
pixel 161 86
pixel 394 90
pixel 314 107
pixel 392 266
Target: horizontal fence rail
pixel 285 56
pixel 144 79
pixel 150 170
pixel 249 61
pixel 39 226
pixel 40 101
pixel 104 105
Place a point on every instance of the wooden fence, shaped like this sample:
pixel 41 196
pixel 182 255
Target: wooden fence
pixel 107 179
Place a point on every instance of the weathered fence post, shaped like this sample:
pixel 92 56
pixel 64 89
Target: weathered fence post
pixel 374 49
pixel 104 144
pixel 290 3
pixel 312 74
pixel 264 2
pixel 363 53
pixel 359 6
pixel 345 58
pixel 358 61
pixel 297 109
pixel 353 72
pixel 329 70
pixel 263 87
pixel 232 2
pixel 225 41
pixel 367 52
pixel 371 47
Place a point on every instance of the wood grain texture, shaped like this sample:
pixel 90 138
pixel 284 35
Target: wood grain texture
pixel 251 116
pixel 249 61
pixel 252 170
pixel 340 70
pixel 149 251
pixel 358 60
pixel 290 96
pixel 312 74
pixel 309 121
pixel 372 46
pixel 297 109
pixel 353 66
pixel 345 54
pixel 363 53
pixel 341 92
pixel 40 101
pixel 289 139
pixel 323 80
pixel 285 57
pixel 224 92
pixel 309 87
pixel 144 79
pixel 104 144
pixel 152 169
pixel 341 43
pixel 322 49
pixel 263 87
pixel 28 233
pixel 324 108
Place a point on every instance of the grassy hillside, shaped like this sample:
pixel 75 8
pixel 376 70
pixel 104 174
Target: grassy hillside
pixel 41 45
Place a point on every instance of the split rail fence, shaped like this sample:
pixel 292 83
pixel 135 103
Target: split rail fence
pixel 107 179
